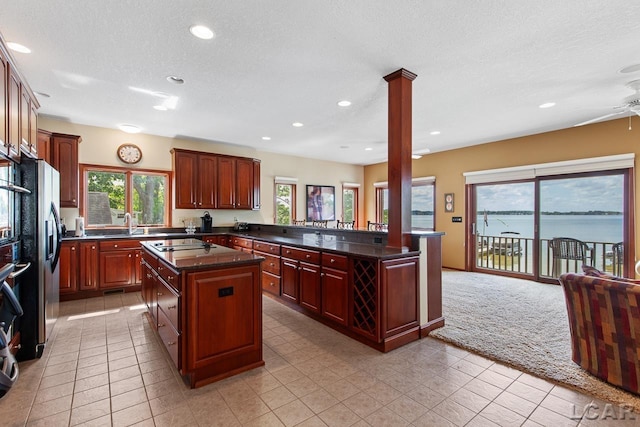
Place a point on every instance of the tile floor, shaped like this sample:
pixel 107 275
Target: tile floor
pixel 105 367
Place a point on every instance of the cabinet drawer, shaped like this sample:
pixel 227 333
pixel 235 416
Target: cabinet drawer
pixel 150 260
pixel 113 245
pixel 266 247
pixel 169 302
pixel 169 275
pixel 339 262
pixel 301 254
pixel 170 338
pixel 242 242
pixel 271 263
pixel 270 283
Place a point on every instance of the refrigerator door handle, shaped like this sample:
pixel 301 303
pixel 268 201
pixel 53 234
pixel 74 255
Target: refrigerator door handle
pixel 58 231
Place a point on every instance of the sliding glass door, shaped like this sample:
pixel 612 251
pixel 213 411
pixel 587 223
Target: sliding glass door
pixel 546 226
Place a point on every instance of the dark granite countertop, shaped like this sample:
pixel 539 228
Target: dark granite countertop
pixel 136 236
pixel 190 254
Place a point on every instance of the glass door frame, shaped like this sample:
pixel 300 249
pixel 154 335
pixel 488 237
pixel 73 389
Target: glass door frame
pixel 628 223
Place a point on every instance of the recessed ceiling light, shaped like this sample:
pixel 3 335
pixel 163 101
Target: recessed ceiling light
pixel 344 103
pixel 129 128
pixel 344 147
pixel 42 94
pixel 160 107
pixel 297 125
pixel 368 149
pixel 547 105
pixel 17 47
pixel 176 80
pixel 630 69
pixel 416 156
pixel 435 132
pixel 266 138
pixel 201 32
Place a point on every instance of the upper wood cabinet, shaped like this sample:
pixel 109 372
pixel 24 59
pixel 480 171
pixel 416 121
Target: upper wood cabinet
pixel 4 70
pixel 43 139
pixel 13 113
pixel 195 179
pixel 64 157
pixel 212 181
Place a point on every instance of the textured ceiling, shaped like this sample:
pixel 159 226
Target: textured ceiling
pixel 483 67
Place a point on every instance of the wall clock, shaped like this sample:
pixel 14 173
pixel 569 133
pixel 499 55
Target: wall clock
pixel 129 153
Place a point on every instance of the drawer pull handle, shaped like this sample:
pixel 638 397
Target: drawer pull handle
pixel 115 246
pixel 129 255
pixel 159 294
pixel 171 307
pixel 332 260
pixel 288 251
pixel 160 325
pixel 271 264
pixel 308 256
pixel 93 247
pixel 73 248
pixel 148 276
pixel 169 277
pixel 171 343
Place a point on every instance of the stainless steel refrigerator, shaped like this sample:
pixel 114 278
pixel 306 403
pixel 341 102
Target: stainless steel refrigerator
pixel 40 236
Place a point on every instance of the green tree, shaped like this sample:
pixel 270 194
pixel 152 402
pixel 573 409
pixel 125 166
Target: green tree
pixel 283 203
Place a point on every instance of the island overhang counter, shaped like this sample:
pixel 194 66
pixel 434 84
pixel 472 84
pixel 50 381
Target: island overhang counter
pixel 205 302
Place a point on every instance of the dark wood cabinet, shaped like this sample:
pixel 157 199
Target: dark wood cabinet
pixel 226 183
pixel 301 277
pixel 237 184
pixel 4 70
pixel 89 266
pixel 310 291
pixel 25 112
pixel 68 267
pixel 195 179
pixel 256 185
pixel 13 113
pixel 335 288
pixel 244 184
pixel 44 145
pixel 221 240
pixel 120 264
pixel 289 277
pixel 64 157
pixel 270 266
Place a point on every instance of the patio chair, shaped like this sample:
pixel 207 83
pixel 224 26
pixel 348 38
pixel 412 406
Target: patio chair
pixel 348 225
pixel 618 259
pixel 320 223
pixel 569 249
pixel 299 222
pixel 377 226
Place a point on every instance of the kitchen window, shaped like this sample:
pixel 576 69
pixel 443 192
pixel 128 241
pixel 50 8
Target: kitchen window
pixel 110 192
pixel 285 200
pixel 350 202
pixel 422 203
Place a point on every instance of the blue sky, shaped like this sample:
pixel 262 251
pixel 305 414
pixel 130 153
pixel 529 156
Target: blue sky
pixel 562 195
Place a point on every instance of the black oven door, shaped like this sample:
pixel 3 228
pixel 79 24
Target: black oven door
pixel 8 198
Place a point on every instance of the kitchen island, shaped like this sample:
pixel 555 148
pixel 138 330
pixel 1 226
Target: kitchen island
pixel 205 302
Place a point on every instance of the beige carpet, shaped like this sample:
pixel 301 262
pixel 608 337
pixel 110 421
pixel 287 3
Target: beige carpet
pixel 520 323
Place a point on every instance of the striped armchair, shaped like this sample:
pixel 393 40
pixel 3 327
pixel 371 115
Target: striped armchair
pixel 604 320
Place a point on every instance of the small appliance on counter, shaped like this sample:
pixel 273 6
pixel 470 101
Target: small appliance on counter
pixel 79 227
pixel 207 223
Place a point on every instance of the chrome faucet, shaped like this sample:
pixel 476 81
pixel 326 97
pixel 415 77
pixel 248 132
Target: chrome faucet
pixel 128 219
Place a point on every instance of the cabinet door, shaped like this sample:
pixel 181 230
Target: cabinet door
pixel 186 179
pixel 115 269
pixel 207 179
pixel 310 292
pixel 44 145
pixel 65 160
pixel 289 275
pixel 226 183
pixel 256 185
pixel 4 70
pixel 68 267
pixel 25 110
pixel 137 266
pixel 146 285
pixel 335 295
pixel 33 128
pixel 13 113
pixel 244 184
pixel 89 263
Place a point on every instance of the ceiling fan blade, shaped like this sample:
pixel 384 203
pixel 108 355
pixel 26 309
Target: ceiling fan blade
pixel 597 119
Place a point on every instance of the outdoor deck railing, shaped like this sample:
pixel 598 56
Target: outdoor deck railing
pixel 515 254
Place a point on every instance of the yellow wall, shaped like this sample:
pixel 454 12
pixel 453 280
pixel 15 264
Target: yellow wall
pixel 601 139
pixel 99 146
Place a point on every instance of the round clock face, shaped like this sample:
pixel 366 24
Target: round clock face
pixel 129 153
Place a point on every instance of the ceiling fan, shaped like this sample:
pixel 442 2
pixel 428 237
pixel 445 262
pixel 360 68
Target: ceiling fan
pixel 631 105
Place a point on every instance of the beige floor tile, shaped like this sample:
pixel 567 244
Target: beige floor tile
pixel 288 374
pixel 426 396
pixel 454 412
pixel 127 399
pixel 46 394
pixel 124 373
pixel 82 414
pixel 214 416
pixel 178 416
pixel 168 386
pixel 407 408
pixel 124 386
pixel 507 371
pixel 267 420
pixel 293 413
pixel 63 358
pixel 56 380
pixel 527 392
pixel 314 421
pixel 131 415
pixel 517 404
pixel 501 415
pixel 536 382
pixel 319 400
pixel 93 352
pixel 60 419
pixel 302 386
pixel 386 417
pixel 89 396
pixel 166 403
pixel 92 360
pixel 247 409
pixel 277 397
pixel 495 379
pixel 432 419
pixel 470 400
pixel 50 407
pixel 263 383
pixel 342 390
pixel 119 354
pixel 480 421
pixel 125 362
pixel 339 416
pixel 547 417
pixel 468 367
pixel 482 388
pixel 91 371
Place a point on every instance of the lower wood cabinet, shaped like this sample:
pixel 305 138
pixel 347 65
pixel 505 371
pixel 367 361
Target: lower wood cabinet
pixel 68 267
pixel 89 266
pixel 119 263
pixel 335 288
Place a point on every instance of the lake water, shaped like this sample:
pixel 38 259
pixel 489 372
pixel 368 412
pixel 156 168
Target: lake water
pixel 590 228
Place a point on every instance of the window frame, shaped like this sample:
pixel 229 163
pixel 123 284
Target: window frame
pixel 293 186
pixel 128 173
pixel 355 188
pixel 381 187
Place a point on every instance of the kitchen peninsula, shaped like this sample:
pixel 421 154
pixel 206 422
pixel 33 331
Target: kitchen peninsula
pixel 205 302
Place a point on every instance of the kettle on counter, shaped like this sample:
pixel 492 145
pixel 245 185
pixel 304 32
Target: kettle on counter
pixel 207 223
